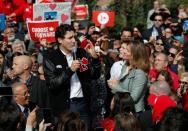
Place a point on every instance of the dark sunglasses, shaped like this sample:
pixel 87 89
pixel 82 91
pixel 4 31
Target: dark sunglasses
pixel 171 54
pixel 157 43
pixel 183 82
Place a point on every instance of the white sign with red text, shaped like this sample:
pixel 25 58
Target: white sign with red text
pixel 39 30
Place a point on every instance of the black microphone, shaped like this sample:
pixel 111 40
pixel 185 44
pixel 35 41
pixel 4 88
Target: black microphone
pixel 74 50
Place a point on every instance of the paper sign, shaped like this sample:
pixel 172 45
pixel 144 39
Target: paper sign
pixel 42 30
pixel 52 11
pixel 73 2
pixel 80 12
pixel 103 18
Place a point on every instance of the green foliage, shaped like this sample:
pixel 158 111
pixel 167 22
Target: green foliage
pixel 134 12
pixel 173 5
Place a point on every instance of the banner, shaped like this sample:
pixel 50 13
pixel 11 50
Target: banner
pixel 52 11
pixel 80 12
pixel 103 18
pixel 39 30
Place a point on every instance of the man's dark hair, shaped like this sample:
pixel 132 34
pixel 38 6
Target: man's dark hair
pixel 9 115
pixel 62 30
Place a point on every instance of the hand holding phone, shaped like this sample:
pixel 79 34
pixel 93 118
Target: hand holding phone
pixel 46 114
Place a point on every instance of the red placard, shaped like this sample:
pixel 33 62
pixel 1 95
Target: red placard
pixel 103 18
pixel 42 30
pixel 80 12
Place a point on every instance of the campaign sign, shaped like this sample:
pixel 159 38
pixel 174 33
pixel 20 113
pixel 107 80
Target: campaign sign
pixel 103 18
pixel 39 30
pixel 52 11
pixel 73 2
pixel 80 12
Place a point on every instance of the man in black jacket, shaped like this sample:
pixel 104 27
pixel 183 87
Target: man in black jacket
pixel 68 72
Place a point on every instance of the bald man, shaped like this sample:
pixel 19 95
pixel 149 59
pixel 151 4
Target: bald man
pixel 22 66
pixel 37 88
pixel 159 88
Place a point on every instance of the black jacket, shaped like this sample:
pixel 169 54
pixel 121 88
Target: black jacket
pixel 58 75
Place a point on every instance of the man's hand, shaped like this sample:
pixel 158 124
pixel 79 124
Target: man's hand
pixel 31 119
pixel 75 65
pixel 91 50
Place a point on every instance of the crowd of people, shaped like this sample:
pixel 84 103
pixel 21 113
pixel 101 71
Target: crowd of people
pixel 93 80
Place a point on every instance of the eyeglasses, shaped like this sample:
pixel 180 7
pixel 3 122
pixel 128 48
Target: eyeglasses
pixel 183 82
pixel 161 44
pixel 26 93
pixel 158 20
pixel 171 54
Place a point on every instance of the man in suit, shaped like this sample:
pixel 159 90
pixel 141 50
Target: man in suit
pixel 21 97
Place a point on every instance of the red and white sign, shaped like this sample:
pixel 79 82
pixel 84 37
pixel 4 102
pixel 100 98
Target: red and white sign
pixel 39 30
pixel 52 11
pixel 73 2
pixel 80 12
pixel 103 18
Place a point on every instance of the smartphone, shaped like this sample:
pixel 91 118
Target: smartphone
pixel 48 117
pixel 46 114
pixel 31 105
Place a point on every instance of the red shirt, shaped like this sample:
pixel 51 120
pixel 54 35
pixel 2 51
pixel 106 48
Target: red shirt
pixel 175 85
pixel 185 101
pixel 108 124
pixel 28 12
pixel 6 7
pixel 175 79
pixel 19 6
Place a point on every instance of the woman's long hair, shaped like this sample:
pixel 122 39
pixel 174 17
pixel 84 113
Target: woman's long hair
pixel 140 56
pixel 126 122
pixel 123 102
pixel 70 121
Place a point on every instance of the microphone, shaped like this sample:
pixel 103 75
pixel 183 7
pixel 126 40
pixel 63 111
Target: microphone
pixel 74 50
